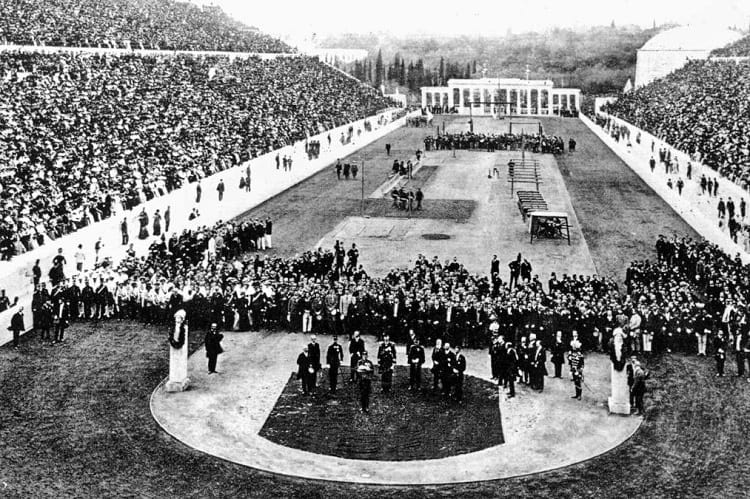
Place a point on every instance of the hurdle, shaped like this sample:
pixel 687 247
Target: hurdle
pixel 523 171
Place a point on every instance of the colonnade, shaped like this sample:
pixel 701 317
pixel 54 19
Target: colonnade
pixel 524 99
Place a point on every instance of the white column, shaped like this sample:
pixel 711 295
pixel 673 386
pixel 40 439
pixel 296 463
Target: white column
pixel 450 98
pixel 507 100
pixel 538 101
pixel 528 100
pixel 518 101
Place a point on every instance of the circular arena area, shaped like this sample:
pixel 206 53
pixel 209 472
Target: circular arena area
pixel 401 425
pixel 253 414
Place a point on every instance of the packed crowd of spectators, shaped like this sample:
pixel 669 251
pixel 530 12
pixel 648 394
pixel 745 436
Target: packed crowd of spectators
pixel 329 291
pixel 694 299
pixel 700 109
pixel 740 48
pixel 84 136
pixel 136 24
pixel 496 142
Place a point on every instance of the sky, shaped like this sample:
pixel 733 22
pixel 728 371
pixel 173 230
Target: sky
pixel 485 17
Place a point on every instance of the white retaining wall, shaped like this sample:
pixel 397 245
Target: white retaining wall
pixel 267 182
pixel 698 210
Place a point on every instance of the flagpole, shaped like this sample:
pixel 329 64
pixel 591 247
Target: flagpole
pixel 362 198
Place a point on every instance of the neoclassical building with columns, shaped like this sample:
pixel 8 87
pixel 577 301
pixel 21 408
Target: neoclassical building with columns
pixel 502 96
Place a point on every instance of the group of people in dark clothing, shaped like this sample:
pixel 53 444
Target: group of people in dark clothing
pixel 691 298
pixel 448 366
pixel 491 142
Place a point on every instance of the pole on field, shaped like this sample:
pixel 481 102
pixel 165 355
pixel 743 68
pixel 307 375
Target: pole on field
pixel 362 199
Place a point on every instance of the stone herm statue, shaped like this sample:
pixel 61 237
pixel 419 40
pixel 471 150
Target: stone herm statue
pixel 619 400
pixel 178 354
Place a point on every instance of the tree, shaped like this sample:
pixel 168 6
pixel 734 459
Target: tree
pixel 402 74
pixel 379 76
pixel 411 78
pixel 441 72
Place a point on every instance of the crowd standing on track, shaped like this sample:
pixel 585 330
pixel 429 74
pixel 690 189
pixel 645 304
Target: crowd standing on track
pixel 690 299
pixel 538 143
pixel 731 213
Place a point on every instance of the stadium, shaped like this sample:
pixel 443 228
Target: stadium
pixel 236 263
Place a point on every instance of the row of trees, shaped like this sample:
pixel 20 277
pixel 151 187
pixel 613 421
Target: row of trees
pixel 411 75
pixel 596 60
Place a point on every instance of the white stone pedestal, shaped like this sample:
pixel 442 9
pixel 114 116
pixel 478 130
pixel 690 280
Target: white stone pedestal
pixel 178 369
pixel 619 401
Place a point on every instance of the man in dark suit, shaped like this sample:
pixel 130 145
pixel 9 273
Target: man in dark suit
pixel 124 231
pixel 73 295
pixel 494 266
pixel 356 347
pixel 314 348
pixel 213 347
pixel 538 366
pixel 61 318
pixel 497 358
pixel 17 326
pixel 458 370
pixel 364 375
pixel 220 189
pixel 306 372
pixel 88 297
pixel 334 357
pixel 511 362
pixel 415 357
pixel 515 269
pixel 448 369
pixel 387 345
pixel 45 320
pixel 558 354
pixel 386 361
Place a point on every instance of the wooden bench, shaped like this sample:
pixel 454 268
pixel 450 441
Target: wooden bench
pixel 529 201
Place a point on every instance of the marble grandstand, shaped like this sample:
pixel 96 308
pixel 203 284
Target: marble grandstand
pixel 672 49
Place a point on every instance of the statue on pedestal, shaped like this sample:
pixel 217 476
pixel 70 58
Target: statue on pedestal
pixel 619 400
pixel 178 354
